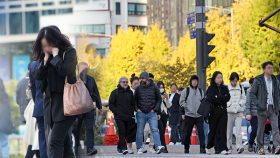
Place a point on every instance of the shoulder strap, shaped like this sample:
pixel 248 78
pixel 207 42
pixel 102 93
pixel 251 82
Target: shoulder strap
pixel 200 92
pixel 188 92
pixel 241 89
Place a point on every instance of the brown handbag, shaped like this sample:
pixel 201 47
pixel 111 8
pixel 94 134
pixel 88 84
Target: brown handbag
pixel 76 98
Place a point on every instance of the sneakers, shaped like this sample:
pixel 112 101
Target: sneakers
pixel 125 152
pixel 119 151
pixel 91 151
pixel 152 151
pixel 187 151
pixel 250 148
pixel 208 151
pixel 130 151
pixel 230 151
pixel 261 152
pixel 160 149
pixel 277 150
pixel 141 151
pixel 178 143
pixel 240 150
pixel 171 143
pixel 202 151
pixel 224 152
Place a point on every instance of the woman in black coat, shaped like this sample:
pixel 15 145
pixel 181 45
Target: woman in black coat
pixel 218 95
pixel 52 70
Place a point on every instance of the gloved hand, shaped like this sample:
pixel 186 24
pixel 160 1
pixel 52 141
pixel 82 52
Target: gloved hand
pixel 248 117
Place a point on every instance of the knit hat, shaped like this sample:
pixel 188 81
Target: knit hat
pixel 144 75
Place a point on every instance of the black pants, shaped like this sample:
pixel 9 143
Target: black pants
pixel 60 143
pixel 183 130
pixel 123 127
pixel 218 121
pixel 131 134
pixel 199 122
pixel 217 141
pixel 30 153
pixel 89 122
pixel 161 127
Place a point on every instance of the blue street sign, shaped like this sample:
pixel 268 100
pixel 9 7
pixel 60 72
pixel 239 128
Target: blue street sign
pixel 191 20
pixel 193 34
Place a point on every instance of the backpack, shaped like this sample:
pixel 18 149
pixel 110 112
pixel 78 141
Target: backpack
pixel 241 89
pixel 188 92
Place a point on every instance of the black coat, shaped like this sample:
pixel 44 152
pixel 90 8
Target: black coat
pixel 148 97
pixel 278 77
pixel 223 97
pixel 121 103
pixel 174 110
pixel 53 76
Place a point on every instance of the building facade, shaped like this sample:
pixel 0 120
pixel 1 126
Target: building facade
pixel 171 15
pixel 20 21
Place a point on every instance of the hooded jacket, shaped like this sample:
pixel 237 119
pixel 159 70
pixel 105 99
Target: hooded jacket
pixel 148 97
pixel 237 99
pixel 121 103
pixel 193 101
pixel 259 94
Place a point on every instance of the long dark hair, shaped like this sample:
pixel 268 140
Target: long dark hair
pixel 133 77
pixel 53 36
pixel 160 83
pixel 212 80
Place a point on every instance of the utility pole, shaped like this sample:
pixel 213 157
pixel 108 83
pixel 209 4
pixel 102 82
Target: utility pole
pixel 200 28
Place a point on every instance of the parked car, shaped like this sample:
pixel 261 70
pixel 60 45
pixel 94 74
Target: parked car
pixel 245 85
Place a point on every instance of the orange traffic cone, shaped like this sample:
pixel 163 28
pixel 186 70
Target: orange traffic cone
pixel 111 138
pixel 194 137
pixel 167 140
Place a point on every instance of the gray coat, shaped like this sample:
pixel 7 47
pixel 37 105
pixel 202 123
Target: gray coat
pixel 21 98
pixel 259 93
pixel 192 103
pixel 6 125
pixel 250 107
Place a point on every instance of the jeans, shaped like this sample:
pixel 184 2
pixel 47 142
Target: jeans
pixel 42 137
pixel 174 134
pixel 206 131
pixel 4 140
pixel 141 122
pixel 254 126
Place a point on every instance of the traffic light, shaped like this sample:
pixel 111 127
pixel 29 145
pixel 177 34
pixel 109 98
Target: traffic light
pixel 207 49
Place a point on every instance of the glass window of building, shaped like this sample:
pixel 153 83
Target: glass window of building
pixel 65 2
pixel 14 0
pixel 32 22
pixel 2 0
pixel 15 22
pixel 2 24
pixel 65 11
pixel 101 52
pixel 142 28
pixel 2 7
pixel 48 12
pixel 117 28
pixel 48 3
pixel 81 1
pixel 137 9
pixel 32 5
pixel 118 8
pixel 15 6
pixel 98 29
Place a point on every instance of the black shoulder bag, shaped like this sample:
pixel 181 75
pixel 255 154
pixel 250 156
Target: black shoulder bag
pixel 205 108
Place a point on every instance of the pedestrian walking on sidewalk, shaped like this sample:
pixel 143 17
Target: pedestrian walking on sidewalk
pixel 265 95
pixel 218 95
pixel 121 103
pixel 166 103
pixel 251 115
pixel 147 105
pixel 174 118
pixel 235 108
pixel 190 100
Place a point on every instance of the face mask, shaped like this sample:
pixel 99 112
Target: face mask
pixel 161 90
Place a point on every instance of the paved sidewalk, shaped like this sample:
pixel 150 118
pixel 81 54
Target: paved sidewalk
pixel 174 151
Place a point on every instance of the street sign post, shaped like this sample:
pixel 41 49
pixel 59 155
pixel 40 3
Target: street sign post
pixel 191 20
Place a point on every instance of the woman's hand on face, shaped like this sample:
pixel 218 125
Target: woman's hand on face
pixel 47 55
pixel 55 51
